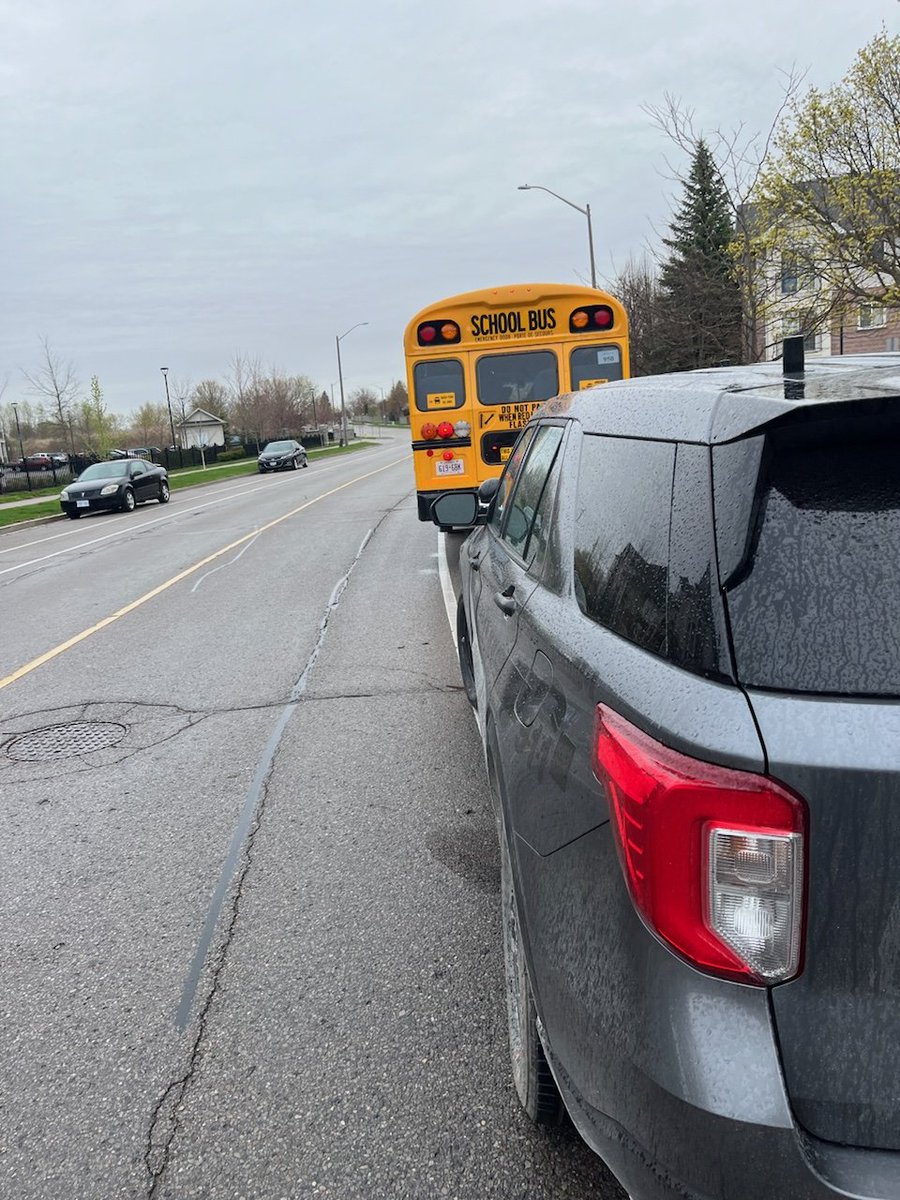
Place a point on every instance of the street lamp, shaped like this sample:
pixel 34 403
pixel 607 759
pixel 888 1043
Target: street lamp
pixel 585 212
pixel 337 342
pixel 15 409
pixel 165 375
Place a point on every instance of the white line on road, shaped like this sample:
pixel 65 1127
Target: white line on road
pixel 230 562
pixel 447 586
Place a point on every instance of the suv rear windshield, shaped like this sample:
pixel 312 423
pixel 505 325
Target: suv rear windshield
pixel 816 602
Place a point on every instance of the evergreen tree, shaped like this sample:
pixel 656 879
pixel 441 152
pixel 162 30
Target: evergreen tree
pixel 702 300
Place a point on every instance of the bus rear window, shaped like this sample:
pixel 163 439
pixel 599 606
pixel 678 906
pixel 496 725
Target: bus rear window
pixel 439 385
pixel 815 606
pixel 531 376
pixel 497 447
pixel 595 364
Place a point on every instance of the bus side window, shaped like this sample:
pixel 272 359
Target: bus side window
pixel 439 385
pixel 595 364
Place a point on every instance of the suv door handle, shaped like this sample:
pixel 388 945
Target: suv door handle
pixel 475 561
pixel 505 602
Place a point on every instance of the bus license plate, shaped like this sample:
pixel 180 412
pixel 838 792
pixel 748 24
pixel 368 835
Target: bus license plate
pixel 456 466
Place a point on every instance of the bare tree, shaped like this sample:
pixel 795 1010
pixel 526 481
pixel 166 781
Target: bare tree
pixel 650 332
pixel 246 396
pixel 150 425
pixel 363 404
pixel 181 391
pixel 212 395
pixel 56 381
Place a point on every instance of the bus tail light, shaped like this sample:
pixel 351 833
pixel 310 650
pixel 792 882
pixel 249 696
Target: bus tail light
pixel 591 318
pixel 429 431
pixel 713 857
pixel 441 332
pixel 447 456
pixel 445 429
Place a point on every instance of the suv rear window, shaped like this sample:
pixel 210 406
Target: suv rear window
pixel 816 603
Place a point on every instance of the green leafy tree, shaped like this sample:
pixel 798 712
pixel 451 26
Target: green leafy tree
pixel 702 299
pixel 832 183
pixel 97 425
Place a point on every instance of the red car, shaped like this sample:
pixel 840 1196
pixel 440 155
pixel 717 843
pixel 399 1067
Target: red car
pixel 35 462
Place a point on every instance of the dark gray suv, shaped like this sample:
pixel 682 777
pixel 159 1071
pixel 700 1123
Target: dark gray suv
pixel 680 626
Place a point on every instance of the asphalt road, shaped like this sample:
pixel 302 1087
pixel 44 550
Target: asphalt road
pixel 250 933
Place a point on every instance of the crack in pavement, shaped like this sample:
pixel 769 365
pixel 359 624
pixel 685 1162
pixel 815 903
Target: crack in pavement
pixel 165 1121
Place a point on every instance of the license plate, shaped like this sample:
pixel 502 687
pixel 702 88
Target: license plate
pixel 456 466
pixel 82 504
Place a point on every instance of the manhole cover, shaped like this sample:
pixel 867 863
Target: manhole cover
pixel 65 741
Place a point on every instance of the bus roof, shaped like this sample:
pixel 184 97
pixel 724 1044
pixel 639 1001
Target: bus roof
pixel 513 295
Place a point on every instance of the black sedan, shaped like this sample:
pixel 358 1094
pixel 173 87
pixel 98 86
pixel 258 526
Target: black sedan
pixel 115 485
pixel 282 456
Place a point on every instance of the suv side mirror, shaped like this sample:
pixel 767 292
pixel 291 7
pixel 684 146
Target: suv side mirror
pixel 488 490
pixel 456 510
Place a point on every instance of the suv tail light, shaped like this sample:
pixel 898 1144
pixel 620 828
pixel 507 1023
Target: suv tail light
pixel 713 857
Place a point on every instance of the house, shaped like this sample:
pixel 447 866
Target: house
pixel 802 302
pixel 201 428
pixel 796 294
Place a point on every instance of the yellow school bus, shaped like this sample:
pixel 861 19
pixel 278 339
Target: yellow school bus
pixel 479 364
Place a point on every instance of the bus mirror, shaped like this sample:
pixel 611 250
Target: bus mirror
pixel 488 490
pixel 456 510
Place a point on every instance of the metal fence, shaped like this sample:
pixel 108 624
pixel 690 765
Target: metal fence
pixel 21 479
pixel 26 479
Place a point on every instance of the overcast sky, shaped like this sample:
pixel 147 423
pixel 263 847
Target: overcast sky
pixel 180 179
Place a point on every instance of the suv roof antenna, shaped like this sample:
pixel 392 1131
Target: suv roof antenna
pixel 792 355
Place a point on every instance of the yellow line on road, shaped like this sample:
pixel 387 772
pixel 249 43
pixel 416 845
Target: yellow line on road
pixel 123 612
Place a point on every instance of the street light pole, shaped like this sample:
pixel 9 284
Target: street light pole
pixel 337 342
pixel 165 375
pixel 585 212
pixel 15 409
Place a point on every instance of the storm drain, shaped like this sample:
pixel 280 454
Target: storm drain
pixel 65 741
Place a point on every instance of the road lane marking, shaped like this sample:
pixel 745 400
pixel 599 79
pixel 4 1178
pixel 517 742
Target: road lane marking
pixel 145 525
pixel 222 566
pixel 49 655
pixel 447 586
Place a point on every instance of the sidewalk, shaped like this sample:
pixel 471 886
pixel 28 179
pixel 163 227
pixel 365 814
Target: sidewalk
pixel 22 503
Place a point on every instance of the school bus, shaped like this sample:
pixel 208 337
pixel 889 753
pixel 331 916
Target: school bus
pixel 480 363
